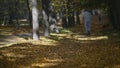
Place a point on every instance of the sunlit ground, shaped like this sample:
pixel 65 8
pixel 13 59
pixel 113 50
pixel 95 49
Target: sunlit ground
pixel 68 49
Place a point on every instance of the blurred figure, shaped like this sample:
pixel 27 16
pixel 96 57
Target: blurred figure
pixel 87 16
pixel 54 28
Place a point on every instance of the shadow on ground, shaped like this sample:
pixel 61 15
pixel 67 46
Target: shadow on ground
pixel 71 49
pixel 63 51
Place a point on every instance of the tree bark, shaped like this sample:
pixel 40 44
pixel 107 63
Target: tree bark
pixel 35 20
pixel 45 12
pixel 29 12
pixel 16 15
pixel 114 12
pixel 77 18
pixel 64 16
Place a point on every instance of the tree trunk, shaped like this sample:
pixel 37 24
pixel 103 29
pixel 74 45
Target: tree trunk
pixel 16 15
pixel 45 12
pixel 64 17
pixel 77 18
pixel 118 13
pixel 46 24
pixel 71 20
pixel 114 13
pixel 30 12
pixel 35 20
pixel 10 19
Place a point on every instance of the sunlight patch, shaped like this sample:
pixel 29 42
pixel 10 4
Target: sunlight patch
pixel 93 38
pixel 49 63
pixel 14 55
pixel 61 35
pixel 53 60
pixel 44 64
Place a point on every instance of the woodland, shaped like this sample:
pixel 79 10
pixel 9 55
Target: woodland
pixel 28 40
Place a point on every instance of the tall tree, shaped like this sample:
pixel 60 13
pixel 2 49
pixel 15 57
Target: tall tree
pixel 64 15
pixel 114 13
pixel 70 11
pixel 45 12
pixel 29 12
pixel 35 20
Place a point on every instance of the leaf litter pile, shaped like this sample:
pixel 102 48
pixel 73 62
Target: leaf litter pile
pixel 68 49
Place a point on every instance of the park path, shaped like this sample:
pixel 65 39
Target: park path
pixel 8 37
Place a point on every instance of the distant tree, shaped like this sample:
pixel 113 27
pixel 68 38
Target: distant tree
pixel 29 11
pixel 70 11
pixel 64 16
pixel 77 17
pixel 114 13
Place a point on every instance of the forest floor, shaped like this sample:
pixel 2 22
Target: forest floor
pixel 70 48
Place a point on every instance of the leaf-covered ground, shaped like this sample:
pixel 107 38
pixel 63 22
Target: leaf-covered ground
pixel 68 49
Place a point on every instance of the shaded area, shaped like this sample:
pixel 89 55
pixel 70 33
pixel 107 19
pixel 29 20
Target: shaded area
pixel 66 53
pixel 68 49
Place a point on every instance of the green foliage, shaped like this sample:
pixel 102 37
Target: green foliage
pixel 8 6
pixel 80 4
pixel 39 4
